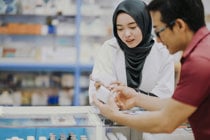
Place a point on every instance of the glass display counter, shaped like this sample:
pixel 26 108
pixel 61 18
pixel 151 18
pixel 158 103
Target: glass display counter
pixel 50 123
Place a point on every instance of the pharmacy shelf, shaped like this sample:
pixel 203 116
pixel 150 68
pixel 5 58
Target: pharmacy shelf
pixel 37 67
pixel 80 18
pixel 44 67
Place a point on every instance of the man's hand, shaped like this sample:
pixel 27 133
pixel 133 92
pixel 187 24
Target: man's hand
pixel 125 97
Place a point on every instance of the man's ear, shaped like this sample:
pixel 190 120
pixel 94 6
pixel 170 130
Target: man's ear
pixel 180 23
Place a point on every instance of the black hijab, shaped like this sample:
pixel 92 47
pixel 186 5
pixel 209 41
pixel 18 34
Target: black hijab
pixel 135 57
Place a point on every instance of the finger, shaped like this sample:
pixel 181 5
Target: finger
pixel 112 86
pixel 119 104
pixel 117 83
pixel 97 85
pixel 117 89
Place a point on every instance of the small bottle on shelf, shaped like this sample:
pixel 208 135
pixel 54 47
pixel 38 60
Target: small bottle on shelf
pixel 62 137
pixel 52 136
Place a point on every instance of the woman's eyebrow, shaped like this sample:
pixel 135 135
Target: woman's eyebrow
pixel 131 23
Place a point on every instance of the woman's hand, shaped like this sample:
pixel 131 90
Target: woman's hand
pixel 107 109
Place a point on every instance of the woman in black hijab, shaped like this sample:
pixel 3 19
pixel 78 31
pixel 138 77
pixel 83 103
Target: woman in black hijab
pixel 133 57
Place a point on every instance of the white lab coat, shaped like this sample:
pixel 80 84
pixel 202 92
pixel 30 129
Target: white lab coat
pixel 157 73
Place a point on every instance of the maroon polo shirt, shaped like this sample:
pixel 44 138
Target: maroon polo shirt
pixel 194 85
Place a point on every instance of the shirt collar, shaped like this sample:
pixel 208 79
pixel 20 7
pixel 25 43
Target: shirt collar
pixel 198 36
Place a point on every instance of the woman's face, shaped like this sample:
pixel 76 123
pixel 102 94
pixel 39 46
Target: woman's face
pixel 128 30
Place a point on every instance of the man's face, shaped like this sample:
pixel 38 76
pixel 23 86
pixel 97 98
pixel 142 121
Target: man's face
pixel 168 37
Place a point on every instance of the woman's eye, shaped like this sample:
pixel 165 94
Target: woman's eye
pixel 133 27
pixel 119 29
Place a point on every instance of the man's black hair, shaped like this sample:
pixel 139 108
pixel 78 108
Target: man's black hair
pixel 191 11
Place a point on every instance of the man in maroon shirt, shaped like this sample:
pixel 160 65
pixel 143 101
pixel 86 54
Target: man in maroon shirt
pixel 180 26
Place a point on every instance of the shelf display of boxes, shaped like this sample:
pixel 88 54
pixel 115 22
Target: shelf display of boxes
pixel 52 36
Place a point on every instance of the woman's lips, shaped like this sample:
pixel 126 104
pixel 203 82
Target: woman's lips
pixel 130 41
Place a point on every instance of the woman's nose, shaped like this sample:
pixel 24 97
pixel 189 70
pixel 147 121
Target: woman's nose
pixel 127 33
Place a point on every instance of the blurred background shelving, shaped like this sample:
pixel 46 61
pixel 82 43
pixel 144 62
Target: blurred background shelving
pixel 47 49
